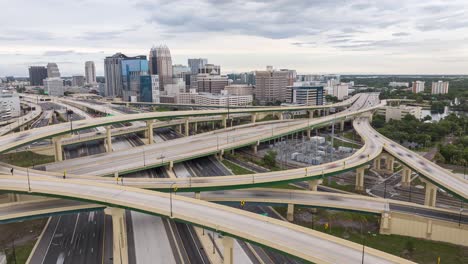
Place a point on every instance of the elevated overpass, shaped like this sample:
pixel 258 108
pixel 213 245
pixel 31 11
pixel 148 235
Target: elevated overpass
pixel 362 157
pixel 284 237
pixel 22 121
pixel 396 216
pixel 9 142
pixel 430 171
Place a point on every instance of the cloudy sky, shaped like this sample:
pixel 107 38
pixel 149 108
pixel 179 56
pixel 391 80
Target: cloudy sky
pixel 311 36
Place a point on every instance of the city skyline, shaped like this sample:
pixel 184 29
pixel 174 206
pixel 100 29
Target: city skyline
pixel 311 37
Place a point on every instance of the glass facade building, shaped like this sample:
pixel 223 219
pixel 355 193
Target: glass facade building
pixel 132 69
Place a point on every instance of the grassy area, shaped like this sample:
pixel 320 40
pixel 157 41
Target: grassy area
pixel 236 169
pixel 347 225
pixel 21 253
pixel 333 184
pixel 26 158
pixel 162 109
pixel 23 235
pixel 285 186
pixel 337 143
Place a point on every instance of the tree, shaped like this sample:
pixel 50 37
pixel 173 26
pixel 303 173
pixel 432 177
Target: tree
pixel 270 158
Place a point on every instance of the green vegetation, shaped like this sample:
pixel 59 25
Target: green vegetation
pixel 26 158
pixel 451 128
pixel 21 253
pixel 458 88
pixel 335 185
pixel 236 169
pixel 270 159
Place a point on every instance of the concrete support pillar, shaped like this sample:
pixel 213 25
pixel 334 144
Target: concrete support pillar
pixel 385 224
pixel 311 113
pixel 108 139
pixel 149 131
pixel 195 127
pixel 171 165
pixel 280 115
pixel 390 162
pixel 220 154
pixel 14 197
pixel 308 133
pixel 319 112
pixel 431 194
pixel 253 117
pixel 290 213
pixel 57 148
pixel 224 121
pixel 228 244
pixel 327 112
pixel 254 149
pixel 313 184
pixel 187 127
pixel 342 125
pixel 377 163
pixel 406 177
pixel 197 195
pixel 359 179
pixel 179 129
pixel 120 247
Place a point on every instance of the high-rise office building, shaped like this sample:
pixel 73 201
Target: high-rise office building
pixel 153 61
pixel 418 87
pixel 207 83
pixel 52 70
pixel 113 75
pixel 37 74
pixel 133 83
pixel 292 75
pixel 304 94
pixel 160 63
pixel 54 86
pixel 340 91
pixel 196 64
pixel 179 70
pixel 210 69
pixel 440 87
pixel 90 72
pixel 271 85
pixel 78 80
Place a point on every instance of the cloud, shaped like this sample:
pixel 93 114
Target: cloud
pixel 400 34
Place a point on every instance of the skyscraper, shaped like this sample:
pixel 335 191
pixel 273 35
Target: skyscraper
pixel 52 70
pixel 113 74
pixel 135 78
pixel 160 63
pixel 90 72
pixel 37 74
pixel 196 64
pixel 271 85
pixel 153 61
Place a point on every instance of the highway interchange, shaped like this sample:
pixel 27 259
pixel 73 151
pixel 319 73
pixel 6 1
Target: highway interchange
pixel 93 190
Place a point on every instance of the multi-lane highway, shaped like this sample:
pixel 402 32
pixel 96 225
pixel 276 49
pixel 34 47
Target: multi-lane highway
pixel 285 237
pixel 281 236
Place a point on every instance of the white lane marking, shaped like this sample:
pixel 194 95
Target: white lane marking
pixel 74 229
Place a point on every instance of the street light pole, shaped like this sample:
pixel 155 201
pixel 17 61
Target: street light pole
pixel 144 157
pixel 170 196
pixel 29 183
pixel 385 190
